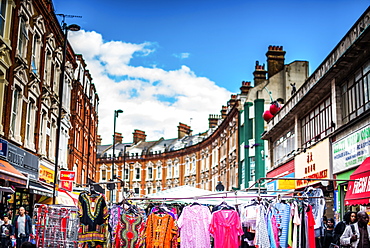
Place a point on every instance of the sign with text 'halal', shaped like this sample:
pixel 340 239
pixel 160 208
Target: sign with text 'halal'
pixel 67 176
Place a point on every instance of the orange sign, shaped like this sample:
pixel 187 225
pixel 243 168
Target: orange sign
pixel 66 185
pixel 46 174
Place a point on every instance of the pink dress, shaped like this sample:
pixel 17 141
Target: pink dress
pixel 194 224
pixel 226 229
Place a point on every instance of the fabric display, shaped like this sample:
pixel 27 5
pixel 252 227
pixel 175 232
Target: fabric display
pixel 56 226
pixel 262 223
pixel 127 224
pixel 93 213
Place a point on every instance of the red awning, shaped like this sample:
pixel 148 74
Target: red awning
pixel 9 173
pixel 358 192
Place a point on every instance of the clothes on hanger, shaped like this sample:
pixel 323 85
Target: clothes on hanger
pixel 226 228
pixel 194 223
pixel 93 212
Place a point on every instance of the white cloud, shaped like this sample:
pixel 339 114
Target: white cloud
pixel 182 55
pixel 153 100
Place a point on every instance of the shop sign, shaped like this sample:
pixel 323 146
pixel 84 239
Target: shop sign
pixel 66 185
pixel 3 148
pixel 23 161
pixel 351 151
pixel 314 163
pixel 46 174
pixel 287 184
pixel 67 176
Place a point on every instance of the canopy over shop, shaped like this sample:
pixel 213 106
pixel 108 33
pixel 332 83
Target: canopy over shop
pixel 358 191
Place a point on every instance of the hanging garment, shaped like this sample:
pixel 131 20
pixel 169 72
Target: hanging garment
pixel 310 228
pixel 93 214
pixel 262 238
pixel 160 231
pixel 272 231
pixel 226 228
pixel 281 211
pixel 318 205
pixel 114 216
pixel 194 223
pixel 248 215
pixel 131 231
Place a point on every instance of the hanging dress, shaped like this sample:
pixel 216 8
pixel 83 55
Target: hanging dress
pixel 226 229
pixel 160 231
pixel 194 224
pixel 93 214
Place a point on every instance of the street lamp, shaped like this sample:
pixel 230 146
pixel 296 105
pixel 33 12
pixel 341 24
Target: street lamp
pixel 116 113
pixel 65 28
pixel 124 169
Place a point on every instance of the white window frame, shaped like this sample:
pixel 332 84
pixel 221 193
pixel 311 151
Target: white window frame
pixel 22 37
pixel 3 7
pixel 150 173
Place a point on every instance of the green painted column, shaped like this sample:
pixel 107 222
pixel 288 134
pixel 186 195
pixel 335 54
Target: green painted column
pixel 245 133
pixel 259 129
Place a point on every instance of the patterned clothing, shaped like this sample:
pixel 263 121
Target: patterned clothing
pixel 160 231
pixel 131 230
pixel 93 213
pixel 194 224
pixel 262 237
pixel 226 228
pixel 114 215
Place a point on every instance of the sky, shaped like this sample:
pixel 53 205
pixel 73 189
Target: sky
pixel 168 61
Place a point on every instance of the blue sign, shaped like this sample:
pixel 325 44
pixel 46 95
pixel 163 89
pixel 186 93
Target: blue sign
pixel 3 148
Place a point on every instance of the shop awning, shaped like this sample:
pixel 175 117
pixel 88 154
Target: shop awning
pixel 9 173
pixel 63 198
pixel 39 189
pixel 358 192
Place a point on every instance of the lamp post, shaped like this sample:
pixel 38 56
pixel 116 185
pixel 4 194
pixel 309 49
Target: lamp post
pixel 65 28
pixel 116 113
pixel 124 169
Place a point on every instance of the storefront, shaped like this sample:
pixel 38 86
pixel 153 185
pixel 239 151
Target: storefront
pixel 284 171
pixel 28 165
pixel 315 164
pixel 348 153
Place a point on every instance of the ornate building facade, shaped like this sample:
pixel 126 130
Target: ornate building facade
pixel 32 46
pixel 200 160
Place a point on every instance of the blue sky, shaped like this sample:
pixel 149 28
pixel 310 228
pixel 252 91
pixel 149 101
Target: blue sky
pixel 165 62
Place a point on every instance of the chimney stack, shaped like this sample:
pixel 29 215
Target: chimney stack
pixel 138 136
pixel 213 120
pixel 275 60
pixel 98 140
pixel 118 138
pixel 246 86
pixel 232 101
pixel 223 112
pixel 259 74
pixel 183 130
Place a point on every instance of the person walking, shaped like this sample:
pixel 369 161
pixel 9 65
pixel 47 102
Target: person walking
pixel 328 233
pixel 357 235
pixel 22 227
pixel 348 218
pixel 6 231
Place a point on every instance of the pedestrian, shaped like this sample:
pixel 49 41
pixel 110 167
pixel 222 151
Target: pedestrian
pixel 348 218
pixel 328 233
pixel 22 227
pixel 6 231
pixel 357 235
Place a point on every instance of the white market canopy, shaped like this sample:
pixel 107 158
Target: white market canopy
pixel 188 194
